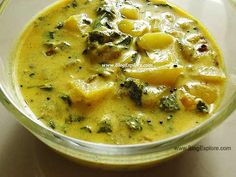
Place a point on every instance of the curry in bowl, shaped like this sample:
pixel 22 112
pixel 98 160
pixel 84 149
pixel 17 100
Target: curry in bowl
pixel 119 71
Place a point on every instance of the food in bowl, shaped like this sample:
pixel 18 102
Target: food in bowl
pixel 119 72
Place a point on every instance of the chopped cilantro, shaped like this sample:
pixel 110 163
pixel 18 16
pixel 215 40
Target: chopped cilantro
pixel 46 87
pixel 52 124
pixel 169 103
pixel 66 99
pixel 134 124
pixel 202 107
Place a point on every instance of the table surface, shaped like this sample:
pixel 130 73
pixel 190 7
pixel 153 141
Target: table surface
pixel 22 155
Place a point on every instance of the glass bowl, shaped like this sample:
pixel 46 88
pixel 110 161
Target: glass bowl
pixel 217 15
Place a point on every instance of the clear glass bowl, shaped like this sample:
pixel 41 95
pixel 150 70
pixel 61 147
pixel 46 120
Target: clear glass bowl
pixel 218 16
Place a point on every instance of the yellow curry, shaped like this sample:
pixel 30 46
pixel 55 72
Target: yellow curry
pixel 119 71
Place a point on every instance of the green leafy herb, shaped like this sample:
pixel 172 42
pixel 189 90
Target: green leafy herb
pixel 97 23
pixel 104 72
pixel 74 119
pixel 101 45
pixel 87 21
pixel 51 35
pixel 60 25
pixel 134 90
pixel 66 99
pixel 169 103
pixel 134 57
pixel 163 5
pixel 105 127
pixel 46 87
pixel 74 4
pixel 52 124
pixel 54 47
pixel 170 117
pixel 134 124
pixel 106 14
pixel 103 37
pixel 87 129
pixel 126 41
pixel 31 74
pixel 41 18
pixel 106 43
pixel 87 2
pixel 106 10
pixel 202 107
pixel 50 52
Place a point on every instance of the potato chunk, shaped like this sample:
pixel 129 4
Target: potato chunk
pixel 188 101
pixel 89 92
pixel 152 95
pixel 166 74
pixel 106 44
pixel 209 74
pixel 206 93
pixel 159 58
pixel 133 27
pixel 77 23
pixel 131 57
pixel 130 12
pixel 153 41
